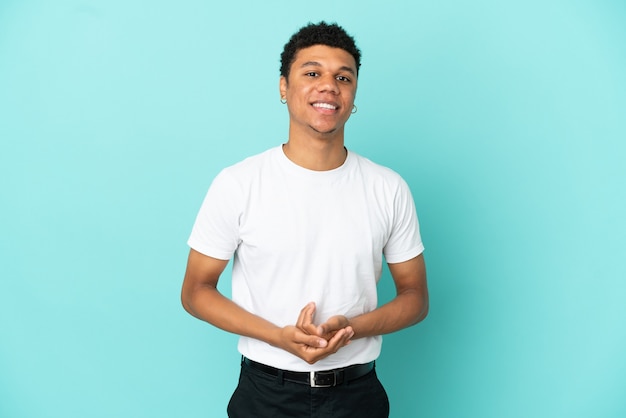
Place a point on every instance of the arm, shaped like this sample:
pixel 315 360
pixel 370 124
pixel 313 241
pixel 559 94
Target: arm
pixel 201 299
pixel 409 307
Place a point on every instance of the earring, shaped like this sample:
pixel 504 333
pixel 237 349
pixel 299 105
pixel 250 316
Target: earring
pixel 354 109
pixel 283 100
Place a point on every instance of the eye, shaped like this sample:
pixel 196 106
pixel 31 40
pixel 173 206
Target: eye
pixel 311 74
pixel 343 78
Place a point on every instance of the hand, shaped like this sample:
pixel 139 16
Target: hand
pixel 326 330
pixel 335 323
pixel 313 343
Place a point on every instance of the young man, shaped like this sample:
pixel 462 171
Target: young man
pixel 308 224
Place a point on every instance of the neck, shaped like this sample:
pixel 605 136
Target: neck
pixel 319 154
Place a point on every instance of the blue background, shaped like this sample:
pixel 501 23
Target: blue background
pixel 507 119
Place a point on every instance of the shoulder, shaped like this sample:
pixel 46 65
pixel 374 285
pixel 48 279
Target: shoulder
pixel 378 173
pixel 252 163
pixel 247 170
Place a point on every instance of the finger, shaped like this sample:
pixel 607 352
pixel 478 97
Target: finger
pixel 312 341
pixel 312 355
pixel 333 324
pixel 341 338
pixel 305 319
pixel 306 315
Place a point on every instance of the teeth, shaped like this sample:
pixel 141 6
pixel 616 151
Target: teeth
pixel 325 106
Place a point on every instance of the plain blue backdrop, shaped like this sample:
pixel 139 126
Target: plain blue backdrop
pixel 506 118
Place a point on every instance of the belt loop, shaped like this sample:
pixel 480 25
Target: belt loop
pixel 339 375
pixel 280 377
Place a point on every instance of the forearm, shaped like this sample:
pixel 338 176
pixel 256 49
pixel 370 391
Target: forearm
pixel 409 307
pixel 406 309
pixel 201 299
pixel 208 304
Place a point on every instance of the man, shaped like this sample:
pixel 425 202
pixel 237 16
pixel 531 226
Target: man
pixel 308 224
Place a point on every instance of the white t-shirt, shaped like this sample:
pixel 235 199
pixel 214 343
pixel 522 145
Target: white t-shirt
pixel 299 235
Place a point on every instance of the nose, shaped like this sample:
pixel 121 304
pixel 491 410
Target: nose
pixel 328 83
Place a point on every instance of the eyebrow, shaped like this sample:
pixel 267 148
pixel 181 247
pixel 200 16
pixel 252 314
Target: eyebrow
pixel 317 64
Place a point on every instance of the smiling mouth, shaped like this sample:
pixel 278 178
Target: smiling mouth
pixel 325 106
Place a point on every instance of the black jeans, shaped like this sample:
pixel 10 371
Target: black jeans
pixel 261 395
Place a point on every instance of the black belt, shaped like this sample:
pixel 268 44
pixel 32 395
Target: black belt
pixel 322 379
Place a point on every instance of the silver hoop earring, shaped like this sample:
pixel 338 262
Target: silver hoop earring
pixel 354 109
pixel 283 100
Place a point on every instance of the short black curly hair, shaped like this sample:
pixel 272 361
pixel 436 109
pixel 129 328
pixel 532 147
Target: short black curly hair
pixel 321 33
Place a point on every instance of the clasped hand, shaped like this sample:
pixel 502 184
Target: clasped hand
pixel 313 342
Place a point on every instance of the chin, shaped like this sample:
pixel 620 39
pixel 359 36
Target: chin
pixel 325 131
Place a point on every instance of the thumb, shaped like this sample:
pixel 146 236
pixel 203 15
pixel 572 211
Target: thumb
pixel 316 342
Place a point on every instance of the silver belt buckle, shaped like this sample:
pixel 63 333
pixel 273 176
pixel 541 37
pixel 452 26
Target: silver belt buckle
pixel 313 380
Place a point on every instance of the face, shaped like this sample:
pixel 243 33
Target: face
pixel 320 90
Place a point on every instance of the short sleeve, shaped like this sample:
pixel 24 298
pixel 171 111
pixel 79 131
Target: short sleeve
pixel 216 230
pixel 404 242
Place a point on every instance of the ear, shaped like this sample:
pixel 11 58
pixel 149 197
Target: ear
pixel 282 86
